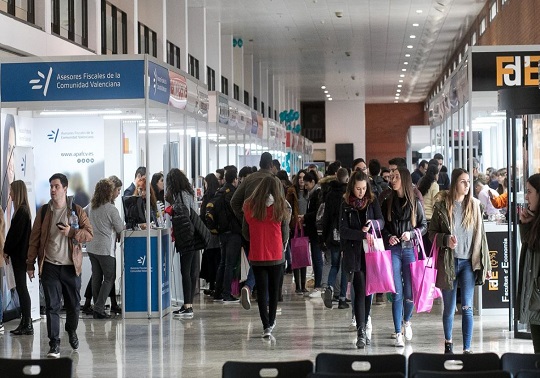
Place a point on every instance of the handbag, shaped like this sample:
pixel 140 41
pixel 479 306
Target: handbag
pixel 379 273
pixel 378 242
pixel 300 255
pixel 183 228
pixel 423 277
pixel 244 265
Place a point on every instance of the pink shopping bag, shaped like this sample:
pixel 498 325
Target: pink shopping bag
pixel 379 275
pixel 300 255
pixel 424 276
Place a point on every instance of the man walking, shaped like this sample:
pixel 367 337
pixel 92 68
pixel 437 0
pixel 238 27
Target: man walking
pixel 57 246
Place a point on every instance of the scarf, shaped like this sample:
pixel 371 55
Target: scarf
pixel 357 203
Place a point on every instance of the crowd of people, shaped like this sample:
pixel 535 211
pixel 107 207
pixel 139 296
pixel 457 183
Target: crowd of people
pixel 257 212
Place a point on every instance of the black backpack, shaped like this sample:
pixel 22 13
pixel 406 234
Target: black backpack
pixel 218 214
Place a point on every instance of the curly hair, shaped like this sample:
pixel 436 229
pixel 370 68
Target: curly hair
pixel 103 193
pixel 177 182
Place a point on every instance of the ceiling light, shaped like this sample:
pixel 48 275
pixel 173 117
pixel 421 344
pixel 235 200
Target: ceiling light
pixel 397 98
pixel 415 25
pixel 412 36
pixel 323 87
pixel 327 95
pixel 399 86
pixel 405 62
pixel 407 55
pixel 401 75
pixel 404 69
pixel 325 91
pixel 329 98
pixel 419 11
pixel 395 102
pixel 400 81
pixel 123 116
pixel 79 112
pixel 398 91
pixel 409 46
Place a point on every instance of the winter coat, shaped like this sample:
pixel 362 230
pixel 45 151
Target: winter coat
pixel 529 270
pixel 201 236
pixel 331 216
pixel 18 236
pixel 351 234
pixel 400 220
pixel 311 214
pixel 440 226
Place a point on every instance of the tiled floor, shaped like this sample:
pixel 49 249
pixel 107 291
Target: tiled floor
pixel 218 333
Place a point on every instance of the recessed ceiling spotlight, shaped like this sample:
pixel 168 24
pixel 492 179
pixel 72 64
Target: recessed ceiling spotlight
pixel 415 25
pixel 327 95
pixel 409 46
pixel 325 91
pixel 397 95
pixel 404 69
pixel 412 36
pixel 329 98
pixel 405 63
pixel 401 75
pixel 399 85
pixel 419 11
pixel 397 98
pixel 407 55
pixel 395 101
pixel 398 91
pixel 400 81
pixel 323 87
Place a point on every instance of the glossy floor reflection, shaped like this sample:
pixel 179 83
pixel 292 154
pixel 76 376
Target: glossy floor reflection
pixel 221 332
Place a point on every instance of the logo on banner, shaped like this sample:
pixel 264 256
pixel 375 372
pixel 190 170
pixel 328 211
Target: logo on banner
pixel 37 83
pixel 514 71
pixel 53 135
pixel 141 260
pixel 23 165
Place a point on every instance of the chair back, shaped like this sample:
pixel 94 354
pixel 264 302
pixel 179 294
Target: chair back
pixel 453 362
pixel 16 368
pixel 515 362
pixel 356 375
pixel 463 374
pixel 286 369
pixel 360 364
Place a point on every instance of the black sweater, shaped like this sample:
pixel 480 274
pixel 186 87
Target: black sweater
pixel 18 236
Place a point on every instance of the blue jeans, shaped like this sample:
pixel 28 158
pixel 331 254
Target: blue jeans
pixel 250 281
pixel 402 299
pixel 317 262
pixel 335 254
pixel 231 247
pixel 465 279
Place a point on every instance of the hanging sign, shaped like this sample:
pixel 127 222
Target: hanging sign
pixel 159 86
pixel 69 81
pixel 178 95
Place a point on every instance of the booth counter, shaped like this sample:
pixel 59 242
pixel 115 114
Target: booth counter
pixel 136 291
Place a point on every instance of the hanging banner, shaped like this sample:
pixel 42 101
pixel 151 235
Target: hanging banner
pixel 492 71
pixel 223 109
pixel 178 95
pixel 254 122
pixel 159 88
pixel 69 81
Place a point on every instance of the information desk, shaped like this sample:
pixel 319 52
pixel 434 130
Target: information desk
pixel 492 298
pixel 134 274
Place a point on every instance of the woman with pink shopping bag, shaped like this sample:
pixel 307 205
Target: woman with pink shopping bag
pixel 359 211
pixel 457 229
pixel 403 214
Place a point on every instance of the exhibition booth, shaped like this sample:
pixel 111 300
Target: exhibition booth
pixel 469 121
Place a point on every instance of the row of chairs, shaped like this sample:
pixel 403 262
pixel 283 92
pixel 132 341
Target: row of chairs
pixel 419 365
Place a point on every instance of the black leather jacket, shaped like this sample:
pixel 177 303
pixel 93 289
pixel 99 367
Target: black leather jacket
pixel 400 220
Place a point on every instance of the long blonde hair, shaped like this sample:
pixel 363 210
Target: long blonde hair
pixel 468 209
pixel 19 195
pixel 269 185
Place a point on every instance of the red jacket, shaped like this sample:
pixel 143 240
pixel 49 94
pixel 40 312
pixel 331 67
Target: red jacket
pixel 265 239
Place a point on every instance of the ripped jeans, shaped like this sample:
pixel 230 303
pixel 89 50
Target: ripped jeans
pixel 402 299
pixel 465 279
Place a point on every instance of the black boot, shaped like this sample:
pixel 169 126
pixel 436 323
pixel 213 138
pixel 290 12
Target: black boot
pixel 27 328
pixel 19 326
pixel 361 340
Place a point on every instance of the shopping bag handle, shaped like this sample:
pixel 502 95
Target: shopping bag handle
pixel 420 243
pixel 296 235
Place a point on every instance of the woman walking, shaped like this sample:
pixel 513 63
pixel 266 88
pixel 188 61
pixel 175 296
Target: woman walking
pixel 15 249
pixel 529 261
pixel 404 217
pixel 267 215
pixel 360 211
pixel 106 222
pixel 297 197
pixel 457 228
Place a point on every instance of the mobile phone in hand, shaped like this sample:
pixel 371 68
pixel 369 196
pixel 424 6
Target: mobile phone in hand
pixel 61 225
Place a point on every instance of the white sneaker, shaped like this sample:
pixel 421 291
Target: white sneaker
pixel 352 326
pixel 399 340
pixel 315 293
pixel 369 327
pixel 408 330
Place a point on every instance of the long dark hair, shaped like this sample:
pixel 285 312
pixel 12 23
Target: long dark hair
pixel 155 179
pixel 359 176
pixel 429 178
pixel 533 238
pixel 467 206
pixel 177 182
pixel 295 180
pixel 410 199
pixel 212 185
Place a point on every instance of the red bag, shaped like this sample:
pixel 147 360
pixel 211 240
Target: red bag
pixel 424 276
pixel 300 255
pixel 379 273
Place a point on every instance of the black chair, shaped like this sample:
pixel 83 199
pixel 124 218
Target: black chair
pixel 527 374
pixel 287 369
pixel 360 364
pixel 463 374
pixel 453 362
pixel 57 367
pixel 515 362
pixel 356 375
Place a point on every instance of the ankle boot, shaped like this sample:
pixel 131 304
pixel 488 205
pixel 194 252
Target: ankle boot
pixel 361 333
pixel 27 328
pixel 19 326
pixel 448 347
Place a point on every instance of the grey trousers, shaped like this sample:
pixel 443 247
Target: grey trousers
pixel 103 276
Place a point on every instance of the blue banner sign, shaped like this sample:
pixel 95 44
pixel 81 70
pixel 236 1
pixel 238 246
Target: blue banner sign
pixel 160 85
pixel 63 81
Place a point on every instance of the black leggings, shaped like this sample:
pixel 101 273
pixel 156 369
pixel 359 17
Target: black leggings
pixel 267 280
pixel 188 267
pixel 19 271
pixel 359 285
pixel 300 278
pixel 535 334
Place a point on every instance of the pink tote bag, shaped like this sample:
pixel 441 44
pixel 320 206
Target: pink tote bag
pixel 424 276
pixel 300 255
pixel 379 273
